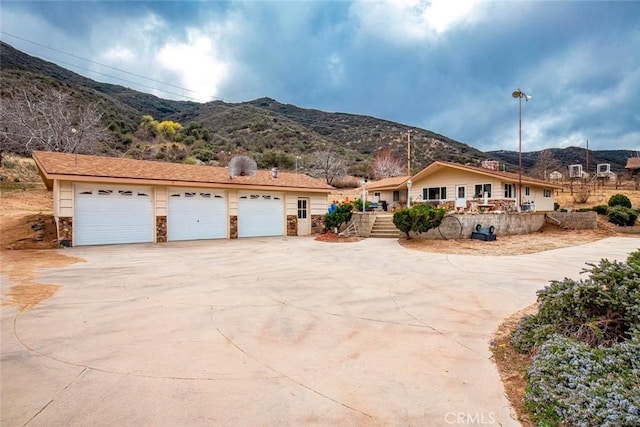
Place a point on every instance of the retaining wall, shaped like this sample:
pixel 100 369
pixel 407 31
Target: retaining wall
pixel 576 220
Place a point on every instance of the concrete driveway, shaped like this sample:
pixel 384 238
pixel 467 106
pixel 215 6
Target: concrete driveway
pixel 279 331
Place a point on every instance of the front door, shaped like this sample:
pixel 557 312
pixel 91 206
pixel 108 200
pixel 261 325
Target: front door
pixel 461 197
pixel 304 222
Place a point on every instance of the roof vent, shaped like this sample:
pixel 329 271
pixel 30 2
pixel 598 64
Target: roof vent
pixel 274 173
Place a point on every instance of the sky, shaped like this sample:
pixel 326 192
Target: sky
pixel 449 66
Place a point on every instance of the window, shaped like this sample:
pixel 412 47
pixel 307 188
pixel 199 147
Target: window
pixel 546 192
pixel 205 195
pixel 508 191
pixel 527 191
pixel 125 193
pixel 376 194
pixel 189 194
pixel 105 192
pixel 480 189
pixel 434 193
pixel 396 196
pixel 302 209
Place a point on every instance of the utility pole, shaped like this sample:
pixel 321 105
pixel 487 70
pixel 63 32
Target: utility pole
pixel 587 157
pixel 409 152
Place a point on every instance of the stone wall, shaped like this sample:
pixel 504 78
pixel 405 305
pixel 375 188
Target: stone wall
pixel 505 224
pixel 317 224
pixel 233 226
pixel 292 225
pixel 364 222
pixel 65 231
pixel 576 220
pixel 161 229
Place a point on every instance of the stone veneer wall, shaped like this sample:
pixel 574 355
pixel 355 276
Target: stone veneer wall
pixel 505 224
pixel 576 220
pixel 364 222
pixel 233 226
pixel 161 229
pixel 65 231
pixel 292 225
pixel 317 224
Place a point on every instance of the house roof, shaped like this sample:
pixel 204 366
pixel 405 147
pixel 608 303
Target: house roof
pixel 504 176
pixel 78 167
pixel 393 183
pixel 633 163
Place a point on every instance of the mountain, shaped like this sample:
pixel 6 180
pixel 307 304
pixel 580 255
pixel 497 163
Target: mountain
pixel 561 158
pixel 264 128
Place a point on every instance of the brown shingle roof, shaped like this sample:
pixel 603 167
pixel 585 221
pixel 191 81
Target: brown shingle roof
pixel 507 176
pixel 388 183
pixel 633 163
pixel 94 168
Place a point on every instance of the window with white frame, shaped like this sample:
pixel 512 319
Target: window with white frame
pixel 527 191
pixel 509 191
pixel 480 189
pixel 434 193
pixel 546 192
pixel 396 196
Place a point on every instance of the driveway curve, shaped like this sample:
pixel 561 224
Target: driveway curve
pixel 278 331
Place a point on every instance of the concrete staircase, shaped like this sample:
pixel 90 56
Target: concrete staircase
pixel 383 227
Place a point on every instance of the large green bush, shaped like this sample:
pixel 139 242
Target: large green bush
pixel 586 369
pixel 600 209
pixel 340 215
pixel 622 216
pixel 418 218
pixel 619 200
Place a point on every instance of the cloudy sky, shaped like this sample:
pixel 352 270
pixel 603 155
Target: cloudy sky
pixel 449 66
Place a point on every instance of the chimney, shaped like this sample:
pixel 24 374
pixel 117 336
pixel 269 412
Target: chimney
pixel 274 173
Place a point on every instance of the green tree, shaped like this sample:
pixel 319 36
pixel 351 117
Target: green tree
pixel 402 221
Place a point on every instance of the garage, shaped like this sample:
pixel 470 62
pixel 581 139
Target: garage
pixel 196 214
pixel 260 214
pixel 113 214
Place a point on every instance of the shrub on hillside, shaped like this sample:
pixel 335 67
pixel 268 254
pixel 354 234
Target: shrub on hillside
pixel 581 196
pixel 622 216
pixel 619 200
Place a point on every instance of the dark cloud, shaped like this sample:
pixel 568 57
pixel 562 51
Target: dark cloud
pixel 578 59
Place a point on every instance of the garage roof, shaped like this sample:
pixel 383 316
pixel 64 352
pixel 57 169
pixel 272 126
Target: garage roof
pixel 78 167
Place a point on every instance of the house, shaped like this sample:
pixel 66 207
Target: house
pixel 469 188
pixel 633 165
pixel 392 191
pixel 105 200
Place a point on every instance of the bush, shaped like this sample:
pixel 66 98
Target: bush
pixel 357 205
pixel 190 161
pixel 600 209
pixel 581 196
pixel 402 221
pixel 418 218
pixel 340 215
pixel 586 369
pixel 622 216
pixel 620 200
pixel 573 384
pixel 599 311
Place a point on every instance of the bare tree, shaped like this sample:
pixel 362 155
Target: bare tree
pixel 545 164
pixel 327 165
pixel 50 121
pixel 385 165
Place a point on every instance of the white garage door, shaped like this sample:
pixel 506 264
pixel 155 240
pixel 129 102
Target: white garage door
pixel 260 214
pixel 196 214
pixel 107 215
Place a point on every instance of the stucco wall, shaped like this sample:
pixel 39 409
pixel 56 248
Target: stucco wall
pixel 576 220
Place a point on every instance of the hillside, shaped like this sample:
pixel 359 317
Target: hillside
pixel 263 128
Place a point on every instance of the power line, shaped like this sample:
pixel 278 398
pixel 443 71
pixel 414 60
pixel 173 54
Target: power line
pixel 107 66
